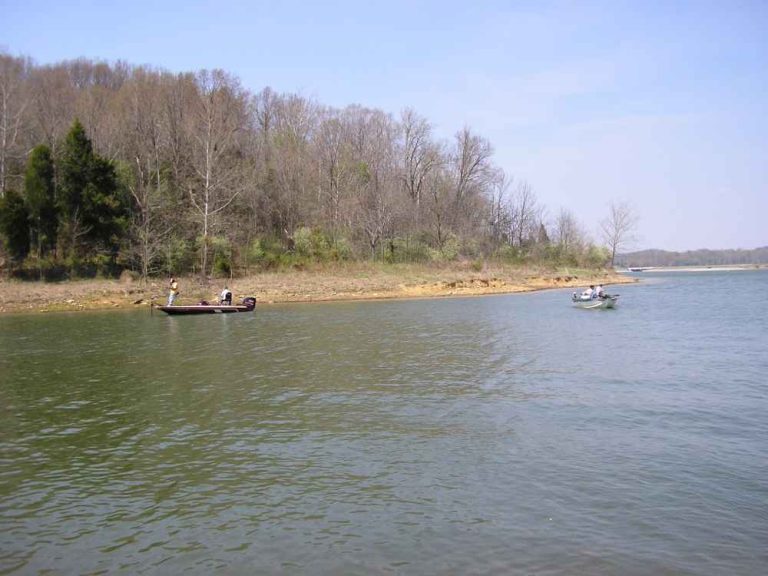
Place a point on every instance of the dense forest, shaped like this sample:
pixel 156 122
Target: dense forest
pixel 693 257
pixel 106 167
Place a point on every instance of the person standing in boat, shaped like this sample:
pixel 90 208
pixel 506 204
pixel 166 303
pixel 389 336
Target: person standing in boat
pixel 173 292
pixel 226 297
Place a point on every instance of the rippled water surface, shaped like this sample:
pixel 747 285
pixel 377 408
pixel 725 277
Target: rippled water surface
pixel 505 434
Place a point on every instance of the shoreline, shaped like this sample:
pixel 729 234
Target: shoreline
pixel 713 268
pixel 717 268
pixel 350 283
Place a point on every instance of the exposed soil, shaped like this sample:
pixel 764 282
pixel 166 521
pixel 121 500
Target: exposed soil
pixel 353 282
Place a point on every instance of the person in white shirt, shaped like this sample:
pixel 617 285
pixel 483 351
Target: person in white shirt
pixel 226 297
pixel 599 291
pixel 587 294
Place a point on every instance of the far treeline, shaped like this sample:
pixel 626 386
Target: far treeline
pixel 112 167
pixel 693 257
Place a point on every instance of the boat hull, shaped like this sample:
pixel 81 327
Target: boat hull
pixel 605 303
pixel 247 306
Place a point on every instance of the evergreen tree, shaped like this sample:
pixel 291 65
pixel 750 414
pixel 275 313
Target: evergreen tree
pixel 94 207
pixel 14 225
pixel 40 192
pixel 74 175
pixel 105 206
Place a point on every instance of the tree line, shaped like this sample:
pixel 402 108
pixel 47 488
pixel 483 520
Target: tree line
pixel 693 257
pixel 106 167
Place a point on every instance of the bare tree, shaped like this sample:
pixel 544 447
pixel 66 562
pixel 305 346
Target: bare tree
pixel 13 103
pixel 280 197
pixel 218 116
pixel 295 123
pixel 499 209
pixel 54 103
pixel 262 110
pixel 618 227
pixel 525 213
pixel 142 128
pixel 420 155
pixel 472 171
pixel 334 165
pixel 568 234
pixel 375 153
pixel 177 92
pixel 438 188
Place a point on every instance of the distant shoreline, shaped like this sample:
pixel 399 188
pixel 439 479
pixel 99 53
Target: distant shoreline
pixel 355 282
pixel 716 268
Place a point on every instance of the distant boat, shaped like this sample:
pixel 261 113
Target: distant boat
pixel 248 305
pixel 639 268
pixel 601 303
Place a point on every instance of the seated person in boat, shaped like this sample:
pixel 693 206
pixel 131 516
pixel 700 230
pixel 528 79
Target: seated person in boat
pixel 599 292
pixel 588 293
pixel 226 297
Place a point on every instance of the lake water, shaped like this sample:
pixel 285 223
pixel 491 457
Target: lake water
pixel 493 435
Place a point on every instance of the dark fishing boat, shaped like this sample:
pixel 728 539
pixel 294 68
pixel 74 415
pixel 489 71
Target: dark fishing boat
pixel 247 305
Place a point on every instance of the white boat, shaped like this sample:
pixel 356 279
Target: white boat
pixel 598 303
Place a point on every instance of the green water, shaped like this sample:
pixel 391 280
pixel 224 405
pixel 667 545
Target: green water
pixel 508 434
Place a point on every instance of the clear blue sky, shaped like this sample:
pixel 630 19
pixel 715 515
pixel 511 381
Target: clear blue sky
pixel 661 104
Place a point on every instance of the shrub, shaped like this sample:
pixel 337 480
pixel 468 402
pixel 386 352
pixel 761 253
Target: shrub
pixel 510 254
pixel 406 251
pixel 448 253
pixel 104 266
pixel 222 256
pixel 302 241
pixel 267 253
pixel 178 256
pixel 255 253
pixel 314 245
pixel 471 248
pixel 340 250
pixel 596 257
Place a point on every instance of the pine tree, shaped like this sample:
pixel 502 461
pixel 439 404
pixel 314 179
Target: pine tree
pixel 74 175
pixel 14 225
pixel 105 206
pixel 93 206
pixel 39 189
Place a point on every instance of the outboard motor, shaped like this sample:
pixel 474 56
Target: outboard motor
pixel 249 302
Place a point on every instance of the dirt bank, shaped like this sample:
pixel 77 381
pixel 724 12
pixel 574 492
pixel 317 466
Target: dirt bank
pixel 352 282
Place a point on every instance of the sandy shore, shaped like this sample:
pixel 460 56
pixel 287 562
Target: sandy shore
pixel 354 282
